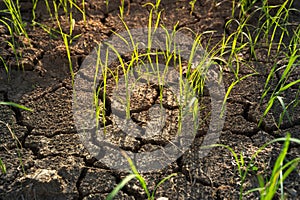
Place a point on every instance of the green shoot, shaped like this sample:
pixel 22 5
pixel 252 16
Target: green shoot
pixel 280 171
pixel 4 63
pixel 16 18
pixel 15 105
pixel 122 7
pixel 13 45
pixel 139 177
pixel 2 167
pixel 192 3
pixel 65 38
pixel 34 4
pixel 18 143
pixel 267 190
pixel 282 85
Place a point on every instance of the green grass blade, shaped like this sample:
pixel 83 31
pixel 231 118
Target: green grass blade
pixel 161 182
pixel 4 63
pixel 120 186
pixel 269 106
pixel 285 111
pixel 277 170
pixel 291 166
pixel 16 105
pixel 230 88
pixel 2 167
pixel 289 85
pixel 137 174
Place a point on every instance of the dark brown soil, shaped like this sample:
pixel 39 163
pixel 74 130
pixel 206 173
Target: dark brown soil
pixel 55 163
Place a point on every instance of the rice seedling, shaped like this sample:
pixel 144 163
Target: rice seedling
pixel 192 3
pixel 68 7
pixel 15 105
pixel 4 64
pixel 13 45
pixel 244 6
pixel 272 23
pixel 101 110
pixel 122 7
pixel 15 26
pixel 83 11
pixel 34 5
pixel 228 53
pixel 139 177
pixel 106 4
pixel 49 11
pixel 280 88
pixel 234 44
pixel 157 3
pixel 152 59
pixel 18 143
pixel 13 8
pixel 67 38
pixel 283 84
pixel 280 171
pixel 3 167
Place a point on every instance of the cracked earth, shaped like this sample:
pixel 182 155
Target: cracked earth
pixel 55 164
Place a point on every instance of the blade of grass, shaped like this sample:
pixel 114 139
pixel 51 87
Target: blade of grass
pixel 3 167
pixel 16 105
pixel 120 186
pixel 136 173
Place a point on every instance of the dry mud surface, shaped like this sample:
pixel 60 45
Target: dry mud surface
pixel 56 162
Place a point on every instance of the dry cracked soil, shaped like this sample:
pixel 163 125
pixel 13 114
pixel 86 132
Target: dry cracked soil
pixel 54 162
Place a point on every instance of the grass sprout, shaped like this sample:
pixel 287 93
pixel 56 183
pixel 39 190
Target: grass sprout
pixel 15 105
pixel 67 39
pixel 122 7
pixel 18 143
pixel 12 44
pixel 34 4
pixel 139 177
pixel 13 8
pixel 280 171
pixel 192 3
pixel 4 64
pixel 283 84
pixel 3 167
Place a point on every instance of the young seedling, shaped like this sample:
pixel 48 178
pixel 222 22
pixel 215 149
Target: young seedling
pixel 280 171
pixel 267 190
pixel 139 177
pixel 16 18
pixel 18 143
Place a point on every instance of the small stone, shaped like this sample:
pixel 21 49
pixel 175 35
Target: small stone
pixel 162 198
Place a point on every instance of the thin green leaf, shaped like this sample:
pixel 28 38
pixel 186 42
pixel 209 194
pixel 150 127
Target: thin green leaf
pixel 161 182
pixel 3 167
pixel 16 105
pixel 120 186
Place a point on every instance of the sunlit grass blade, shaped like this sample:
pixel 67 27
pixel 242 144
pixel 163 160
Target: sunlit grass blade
pixel 4 64
pixel 13 8
pixel 120 186
pixel 2 167
pixel 231 87
pixel 284 112
pixel 16 105
pixel 161 182
pixel 137 174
